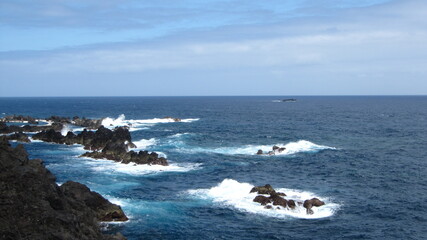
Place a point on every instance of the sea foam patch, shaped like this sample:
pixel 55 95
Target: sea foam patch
pixel 112 167
pixel 233 194
pixel 140 124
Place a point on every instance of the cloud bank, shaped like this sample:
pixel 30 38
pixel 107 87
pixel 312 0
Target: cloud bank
pixel 379 49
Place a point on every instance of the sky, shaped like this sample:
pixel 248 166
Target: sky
pixel 212 47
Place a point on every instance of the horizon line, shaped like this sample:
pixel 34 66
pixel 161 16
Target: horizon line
pixel 301 95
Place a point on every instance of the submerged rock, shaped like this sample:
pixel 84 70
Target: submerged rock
pixel 174 119
pixel 275 150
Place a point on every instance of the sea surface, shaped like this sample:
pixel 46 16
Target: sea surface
pixel 366 157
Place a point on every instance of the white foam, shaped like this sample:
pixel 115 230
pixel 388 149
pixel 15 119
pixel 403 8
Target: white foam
pixel 236 195
pixel 178 135
pixel 34 140
pixel 111 167
pixel 139 124
pixel 291 148
pixel 144 143
pixel 65 129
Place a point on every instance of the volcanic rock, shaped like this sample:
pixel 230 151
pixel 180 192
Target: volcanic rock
pixel 267 189
pixel 262 199
pixel 34 207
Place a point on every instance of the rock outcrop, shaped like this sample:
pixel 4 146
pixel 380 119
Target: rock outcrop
pixel 33 206
pixel 18 136
pixel 275 151
pixel 276 199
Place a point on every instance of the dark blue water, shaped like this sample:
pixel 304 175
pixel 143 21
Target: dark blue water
pixel 365 156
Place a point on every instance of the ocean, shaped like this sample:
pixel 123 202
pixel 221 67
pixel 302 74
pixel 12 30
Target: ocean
pixel 365 156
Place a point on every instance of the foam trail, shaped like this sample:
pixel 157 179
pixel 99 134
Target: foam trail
pixel 139 124
pixel 233 194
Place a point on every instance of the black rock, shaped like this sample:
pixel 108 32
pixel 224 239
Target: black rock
pixel 34 207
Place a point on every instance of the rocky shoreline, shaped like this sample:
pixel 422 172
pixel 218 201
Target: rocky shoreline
pixel 33 206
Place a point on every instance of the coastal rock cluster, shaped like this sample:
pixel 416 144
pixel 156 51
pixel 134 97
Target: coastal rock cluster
pixel 33 206
pixel 103 143
pixel 277 199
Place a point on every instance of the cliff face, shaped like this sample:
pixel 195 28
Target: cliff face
pixel 33 206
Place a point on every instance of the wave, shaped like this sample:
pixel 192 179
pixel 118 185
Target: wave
pixel 139 124
pixel 111 167
pixel 233 194
pixel 144 143
pixel 301 146
pixel 65 129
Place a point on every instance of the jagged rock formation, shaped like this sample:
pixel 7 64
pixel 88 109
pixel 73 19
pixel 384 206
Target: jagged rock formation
pixel 33 206
pixel 276 199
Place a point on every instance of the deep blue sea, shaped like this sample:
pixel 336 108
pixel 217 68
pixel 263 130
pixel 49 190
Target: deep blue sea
pixel 366 157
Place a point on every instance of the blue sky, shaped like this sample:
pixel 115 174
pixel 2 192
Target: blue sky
pixel 215 47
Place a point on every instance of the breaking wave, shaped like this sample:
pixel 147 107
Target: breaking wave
pixel 290 148
pixel 140 124
pixel 111 167
pixel 233 194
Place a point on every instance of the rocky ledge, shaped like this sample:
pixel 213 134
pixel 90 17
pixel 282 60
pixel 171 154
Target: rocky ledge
pixel 33 206
pixel 277 199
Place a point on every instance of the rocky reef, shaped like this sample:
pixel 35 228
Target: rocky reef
pixel 277 199
pixel 102 143
pixel 105 143
pixel 33 206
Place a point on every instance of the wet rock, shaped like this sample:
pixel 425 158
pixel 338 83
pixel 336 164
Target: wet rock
pixel 262 199
pixel 314 202
pixel 291 204
pixel 174 119
pixel 34 207
pixel 104 209
pixel 278 200
pixel 266 189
